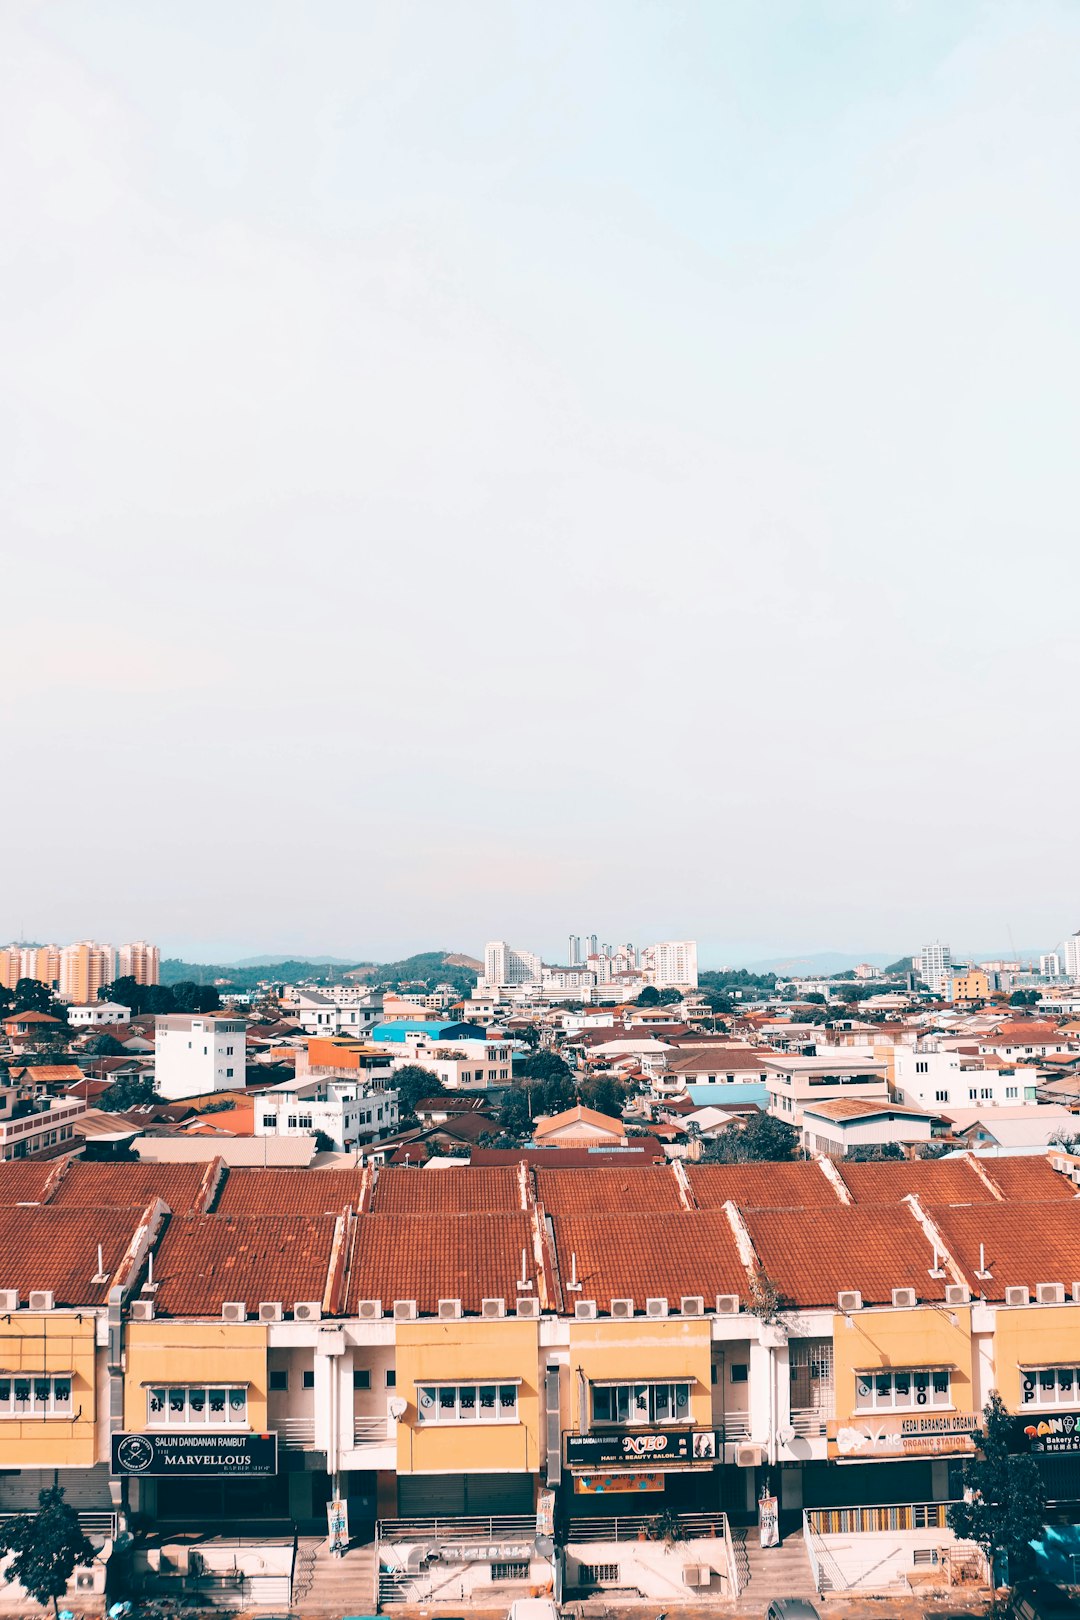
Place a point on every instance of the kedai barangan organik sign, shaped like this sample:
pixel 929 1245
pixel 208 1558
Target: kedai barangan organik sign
pixel 233 1456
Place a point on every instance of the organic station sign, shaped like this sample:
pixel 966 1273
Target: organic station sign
pixel 233 1456
pixel 940 1434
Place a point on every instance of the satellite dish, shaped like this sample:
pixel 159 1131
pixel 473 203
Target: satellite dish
pixel 785 1435
pixel 397 1408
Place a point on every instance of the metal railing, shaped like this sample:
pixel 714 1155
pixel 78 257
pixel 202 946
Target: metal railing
pixel 867 1521
pixel 91 1522
pixel 295 1433
pixel 503 1527
pixel 735 1428
pixel 371 1431
pixel 810 1420
pixel 635 1527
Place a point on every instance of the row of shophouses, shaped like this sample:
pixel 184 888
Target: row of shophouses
pixel 507 1376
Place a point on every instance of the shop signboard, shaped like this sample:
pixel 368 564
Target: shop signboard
pixel 651 1448
pixel 617 1484
pixel 940 1434
pixel 233 1456
pixel 1057 1432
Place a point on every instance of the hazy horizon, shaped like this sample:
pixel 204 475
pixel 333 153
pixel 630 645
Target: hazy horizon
pixel 475 471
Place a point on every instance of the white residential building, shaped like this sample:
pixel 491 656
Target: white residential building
pixel 324 1013
pixel 98 1012
pixel 505 966
pixel 347 1111
pixel 945 1081
pixel 1071 955
pixel 460 1065
pixel 935 968
pixel 195 1053
pixel 795 1080
pixel 672 964
pixel 1050 965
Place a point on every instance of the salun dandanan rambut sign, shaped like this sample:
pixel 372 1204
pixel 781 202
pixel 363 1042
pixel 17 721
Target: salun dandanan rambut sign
pixel 233 1456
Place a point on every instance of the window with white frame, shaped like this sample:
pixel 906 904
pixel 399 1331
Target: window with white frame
pixel 891 1389
pixel 632 1405
pixel 467 1403
pixel 43 1396
pixel 1050 1386
pixel 196 1406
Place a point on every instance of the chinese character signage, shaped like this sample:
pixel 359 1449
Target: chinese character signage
pixel 649 1447
pixel 235 1456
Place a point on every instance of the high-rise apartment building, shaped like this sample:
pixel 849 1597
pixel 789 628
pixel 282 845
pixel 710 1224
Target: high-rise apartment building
pixel 936 968
pixel 504 965
pixel 84 969
pixel 1050 965
pixel 672 963
pixel 30 962
pixel 574 952
pixel 139 961
pixel 1071 955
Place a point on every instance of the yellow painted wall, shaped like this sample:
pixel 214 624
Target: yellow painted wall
pixel 641 1349
pixel 921 1338
pixel 468 1351
pixel 1037 1335
pixel 53 1342
pixel 192 1352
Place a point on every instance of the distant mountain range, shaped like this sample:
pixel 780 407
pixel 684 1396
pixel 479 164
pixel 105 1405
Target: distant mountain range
pixel 823 962
pixel 294 956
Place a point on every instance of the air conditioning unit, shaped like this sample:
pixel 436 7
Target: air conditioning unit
pixel 41 1299
pixel 727 1304
pixel 234 1310
pixel 449 1310
pixel 585 1310
pixel 622 1307
pixel 270 1310
pixel 142 1310
pixel 905 1299
pixel 692 1305
pixel 528 1305
pixel 84 1580
pixel 957 1294
pixel 748 1456
pixel 656 1307
pixel 9 1299
pixel 307 1310
pixel 1017 1296
pixel 1050 1293
pixel 849 1299
pixel 1076 1293
pixel 697 1575
pixel 370 1310
pixel 492 1307
pixel 404 1310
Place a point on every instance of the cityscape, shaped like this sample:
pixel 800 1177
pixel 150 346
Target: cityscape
pixel 539 1016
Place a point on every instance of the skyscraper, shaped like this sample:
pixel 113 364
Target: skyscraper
pixel 574 953
pixel 84 969
pixel 504 966
pixel 139 961
pixel 1071 953
pixel 936 969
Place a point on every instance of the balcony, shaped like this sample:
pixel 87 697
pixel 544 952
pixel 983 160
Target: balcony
pixel 505 1527
pixel 811 1422
pixel 372 1431
pixel 295 1433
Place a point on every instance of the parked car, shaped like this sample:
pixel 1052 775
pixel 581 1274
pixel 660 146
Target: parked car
pixel 792 1608
pixel 1042 1600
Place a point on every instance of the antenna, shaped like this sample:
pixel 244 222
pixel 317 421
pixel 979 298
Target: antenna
pixel 984 1270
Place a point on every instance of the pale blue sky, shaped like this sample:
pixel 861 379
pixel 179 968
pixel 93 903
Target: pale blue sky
pixel 478 470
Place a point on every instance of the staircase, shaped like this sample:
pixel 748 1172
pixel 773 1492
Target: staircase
pixel 326 1584
pixel 770 1572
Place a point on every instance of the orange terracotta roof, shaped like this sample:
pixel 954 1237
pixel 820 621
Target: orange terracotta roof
pixel 449 1190
pixel 431 1257
pixel 943 1181
pixel 26 1181
pixel 86 1185
pixel 873 1249
pixel 57 1249
pixel 1022 1247
pixel 1029 1177
pixel 607 1189
pixel 799 1185
pixel 638 1257
pixel 291 1192
pixel 204 1260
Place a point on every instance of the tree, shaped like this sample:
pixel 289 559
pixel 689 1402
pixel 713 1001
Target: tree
pixel 514 1115
pixel 411 1082
pixel 604 1093
pixel 104 1046
pixel 761 1138
pixel 649 997
pixel 195 998
pixel 33 996
pixel 130 1091
pixel 47 1546
pixel 545 1066
pixel 816 997
pixel 1004 1506
pixel 1025 998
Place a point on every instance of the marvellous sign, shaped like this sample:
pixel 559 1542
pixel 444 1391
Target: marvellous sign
pixel 649 1448
pixel 939 1434
pixel 1061 1432
pixel 238 1456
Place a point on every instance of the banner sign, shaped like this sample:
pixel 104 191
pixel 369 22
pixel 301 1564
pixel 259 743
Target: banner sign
pixel 485 1552
pixel 239 1456
pixel 1061 1432
pixel 939 1435
pixel 545 1513
pixel 768 1521
pixel 649 1447
pixel 337 1523
pixel 616 1484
